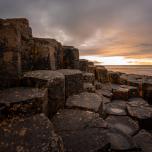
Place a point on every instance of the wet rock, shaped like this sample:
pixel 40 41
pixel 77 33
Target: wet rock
pixel 54 81
pixel 120 141
pixel 47 54
pixel 114 77
pixel 32 134
pixel 81 130
pixel 88 87
pixel 88 77
pixel 124 124
pixel 101 74
pixel 87 101
pixel 83 65
pixel 73 81
pixel 116 108
pixel 144 140
pixel 23 101
pixel 70 57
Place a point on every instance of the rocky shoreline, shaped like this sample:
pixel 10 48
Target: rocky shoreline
pixel 52 101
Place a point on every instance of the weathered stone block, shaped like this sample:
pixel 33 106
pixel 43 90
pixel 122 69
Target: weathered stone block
pixel 73 81
pixel 88 77
pixel 46 53
pixel 70 57
pixel 86 101
pixel 91 69
pixel 114 77
pixel 81 131
pixel 54 81
pixel 10 54
pixel 31 134
pixel 83 65
pixel 101 74
pixel 23 101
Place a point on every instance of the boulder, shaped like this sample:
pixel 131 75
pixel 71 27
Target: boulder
pixel 81 131
pixel 23 102
pixel 124 124
pixel 88 77
pixel 144 141
pixel 73 81
pixel 86 101
pixel 30 134
pixel 101 74
pixel 83 65
pixel 53 81
pixel 70 57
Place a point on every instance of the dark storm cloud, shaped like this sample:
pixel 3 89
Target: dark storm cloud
pixel 97 27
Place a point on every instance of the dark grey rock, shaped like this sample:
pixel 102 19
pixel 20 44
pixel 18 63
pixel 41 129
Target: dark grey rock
pixel 73 81
pixel 54 81
pixel 87 101
pixel 23 101
pixel 31 134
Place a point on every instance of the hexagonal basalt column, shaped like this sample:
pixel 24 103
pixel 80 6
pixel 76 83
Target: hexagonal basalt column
pixel 23 102
pixel 54 81
pixel 73 81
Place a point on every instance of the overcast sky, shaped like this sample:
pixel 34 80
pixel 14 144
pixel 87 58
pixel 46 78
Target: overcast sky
pixel 97 27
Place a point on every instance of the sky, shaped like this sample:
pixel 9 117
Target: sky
pixel 105 31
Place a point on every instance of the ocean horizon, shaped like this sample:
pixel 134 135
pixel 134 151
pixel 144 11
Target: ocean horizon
pixel 131 69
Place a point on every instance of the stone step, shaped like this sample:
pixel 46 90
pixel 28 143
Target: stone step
pixel 88 87
pixel 73 81
pixel 53 81
pixel 30 134
pixel 23 101
pixel 86 101
pixel 81 131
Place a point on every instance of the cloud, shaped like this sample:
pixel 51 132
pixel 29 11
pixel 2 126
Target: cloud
pixel 96 27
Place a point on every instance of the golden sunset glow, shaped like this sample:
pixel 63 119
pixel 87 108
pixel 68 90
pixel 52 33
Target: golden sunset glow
pixel 118 60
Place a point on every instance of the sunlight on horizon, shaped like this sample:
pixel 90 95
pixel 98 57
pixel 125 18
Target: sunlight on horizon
pixel 117 60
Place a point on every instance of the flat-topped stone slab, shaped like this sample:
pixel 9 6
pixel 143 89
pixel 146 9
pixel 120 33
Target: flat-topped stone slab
pixel 88 77
pixel 54 81
pixel 120 141
pixel 73 81
pixel 116 107
pixel 124 124
pixel 31 134
pixel 81 130
pixel 86 101
pixel 105 93
pixel 137 102
pixel 140 112
pixel 144 140
pixel 23 101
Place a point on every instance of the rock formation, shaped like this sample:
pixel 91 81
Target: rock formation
pixel 52 101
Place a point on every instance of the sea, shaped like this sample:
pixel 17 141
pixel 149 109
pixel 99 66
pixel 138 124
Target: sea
pixel 131 69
